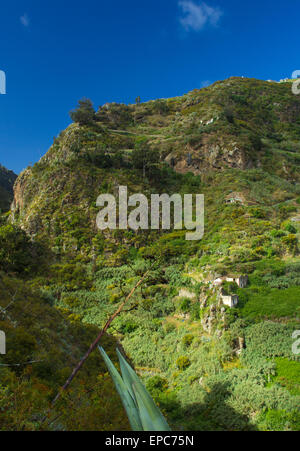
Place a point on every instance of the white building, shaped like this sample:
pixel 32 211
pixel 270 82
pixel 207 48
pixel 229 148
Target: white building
pixel 241 281
pixel 230 300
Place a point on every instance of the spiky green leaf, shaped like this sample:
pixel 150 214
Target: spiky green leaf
pixel 150 415
pixel 128 401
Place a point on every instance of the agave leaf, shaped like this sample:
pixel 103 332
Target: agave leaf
pixel 126 397
pixel 145 416
pixel 128 376
pixel 150 415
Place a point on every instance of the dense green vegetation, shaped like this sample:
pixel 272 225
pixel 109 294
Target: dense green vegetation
pixel 270 303
pixel 288 375
pixel 207 366
pixel 43 346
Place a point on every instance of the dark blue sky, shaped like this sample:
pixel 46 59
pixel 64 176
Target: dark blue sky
pixel 55 52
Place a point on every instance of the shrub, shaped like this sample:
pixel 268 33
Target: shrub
pixel 277 233
pixel 258 213
pixel 183 363
pixel 290 241
pixel 255 141
pixel 145 158
pixel 279 420
pixel 169 328
pixel 128 327
pixel 84 113
pixel 15 250
pixel 157 383
pixel 290 228
pixel 188 340
pixel 185 305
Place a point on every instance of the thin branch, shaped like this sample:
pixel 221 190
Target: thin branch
pixel 94 345
pixel 3 311
pixel 22 364
pixel 132 308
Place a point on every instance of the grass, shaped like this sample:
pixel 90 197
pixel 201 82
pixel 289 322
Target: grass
pixel 279 420
pixel 288 375
pixel 260 302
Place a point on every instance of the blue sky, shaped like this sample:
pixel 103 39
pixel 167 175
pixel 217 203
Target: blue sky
pixel 55 52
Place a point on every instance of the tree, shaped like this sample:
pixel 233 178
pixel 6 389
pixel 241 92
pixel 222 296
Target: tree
pixel 229 114
pixel 145 158
pixel 160 106
pixel 255 141
pixel 138 100
pixel 15 249
pixel 84 114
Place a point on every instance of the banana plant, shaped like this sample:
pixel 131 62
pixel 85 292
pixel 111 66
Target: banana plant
pixel 142 412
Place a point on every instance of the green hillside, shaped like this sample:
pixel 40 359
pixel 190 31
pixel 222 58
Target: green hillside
pixel 208 366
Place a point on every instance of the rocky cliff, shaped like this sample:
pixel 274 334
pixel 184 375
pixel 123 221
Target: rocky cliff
pixel 7 180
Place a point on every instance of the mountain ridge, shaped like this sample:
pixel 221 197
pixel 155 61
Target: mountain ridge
pixel 236 124
pixel 209 366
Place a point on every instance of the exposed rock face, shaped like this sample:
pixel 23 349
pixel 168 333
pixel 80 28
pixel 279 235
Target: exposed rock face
pixel 210 319
pixel 184 293
pixel 19 191
pixel 23 191
pixel 7 180
pixel 211 156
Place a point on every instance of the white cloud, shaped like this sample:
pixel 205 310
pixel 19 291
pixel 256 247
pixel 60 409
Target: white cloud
pixel 25 20
pixel 195 16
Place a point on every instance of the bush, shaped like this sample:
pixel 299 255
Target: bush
pixel 84 113
pixel 290 228
pixel 188 340
pixel 258 213
pixel 290 241
pixel 277 233
pixel 15 250
pixel 145 158
pixel 128 327
pixel 183 363
pixel 279 420
pixel 157 383
pixel 255 141
pixel 185 305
